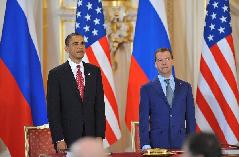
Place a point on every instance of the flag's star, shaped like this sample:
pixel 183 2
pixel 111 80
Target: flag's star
pixel 77 25
pixel 96 21
pixel 105 26
pixel 78 14
pixel 213 15
pixel 221 30
pixel 98 10
pixel 79 3
pixel 225 8
pixel 223 19
pixel 89 5
pixel 87 17
pixel 86 39
pixel 210 37
pixel 86 28
pixel 95 32
pixel 215 5
pixel 212 26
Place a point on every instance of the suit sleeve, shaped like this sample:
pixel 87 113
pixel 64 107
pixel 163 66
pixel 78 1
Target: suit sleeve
pixel 190 113
pixel 54 107
pixel 144 113
pixel 100 107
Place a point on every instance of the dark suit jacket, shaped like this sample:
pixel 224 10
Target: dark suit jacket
pixel 161 126
pixel 67 113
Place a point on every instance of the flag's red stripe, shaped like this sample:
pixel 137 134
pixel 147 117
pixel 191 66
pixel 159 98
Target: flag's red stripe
pixel 107 88
pixel 209 116
pixel 105 45
pixel 225 69
pixel 110 135
pixel 133 93
pixel 229 115
pixel 198 128
pixel 230 42
pixel 15 113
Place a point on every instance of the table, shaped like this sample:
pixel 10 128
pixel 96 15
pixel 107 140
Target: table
pixel 133 154
pixel 129 154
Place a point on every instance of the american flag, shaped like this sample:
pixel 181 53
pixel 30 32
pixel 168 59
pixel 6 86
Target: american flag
pixel 90 23
pixel 217 97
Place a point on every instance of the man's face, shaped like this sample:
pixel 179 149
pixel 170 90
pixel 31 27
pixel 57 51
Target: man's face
pixel 164 63
pixel 76 48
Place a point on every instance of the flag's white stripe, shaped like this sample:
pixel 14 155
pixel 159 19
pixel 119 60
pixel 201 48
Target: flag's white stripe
pixel 29 8
pixel 228 55
pixel 111 118
pixel 223 85
pixel 105 143
pixel 104 63
pixel 2 12
pixel 215 107
pixel 159 6
pixel 201 121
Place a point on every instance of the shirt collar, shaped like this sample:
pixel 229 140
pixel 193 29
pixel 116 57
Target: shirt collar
pixel 74 65
pixel 162 78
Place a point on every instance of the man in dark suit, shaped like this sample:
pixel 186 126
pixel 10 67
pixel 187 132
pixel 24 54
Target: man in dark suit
pixel 167 111
pixel 75 97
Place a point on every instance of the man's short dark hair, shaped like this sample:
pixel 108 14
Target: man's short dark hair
pixel 205 144
pixel 162 50
pixel 68 38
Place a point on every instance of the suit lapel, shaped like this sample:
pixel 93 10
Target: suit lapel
pixel 87 73
pixel 177 90
pixel 158 88
pixel 70 79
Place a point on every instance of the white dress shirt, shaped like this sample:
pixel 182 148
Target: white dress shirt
pixel 74 68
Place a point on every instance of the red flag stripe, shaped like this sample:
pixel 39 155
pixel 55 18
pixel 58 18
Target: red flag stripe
pixel 110 135
pixel 107 88
pixel 226 70
pixel 201 120
pixel 208 114
pixel 230 42
pixel 132 106
pixel 229 115
pixel 15 112
pixel 197 128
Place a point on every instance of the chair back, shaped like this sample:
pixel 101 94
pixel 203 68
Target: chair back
pixel 38 141
pixel 135 137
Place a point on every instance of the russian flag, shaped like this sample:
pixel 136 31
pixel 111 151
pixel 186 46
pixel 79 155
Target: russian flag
pixel 22 98
pixel 151 33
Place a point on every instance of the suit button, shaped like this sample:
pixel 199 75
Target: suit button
pixel 171 115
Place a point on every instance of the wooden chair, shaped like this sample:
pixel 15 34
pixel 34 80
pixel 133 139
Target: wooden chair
pixel 38 141
pixel 135 137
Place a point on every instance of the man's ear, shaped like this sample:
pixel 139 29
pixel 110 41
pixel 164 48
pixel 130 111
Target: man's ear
pixel 155 65
pixel 66 48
